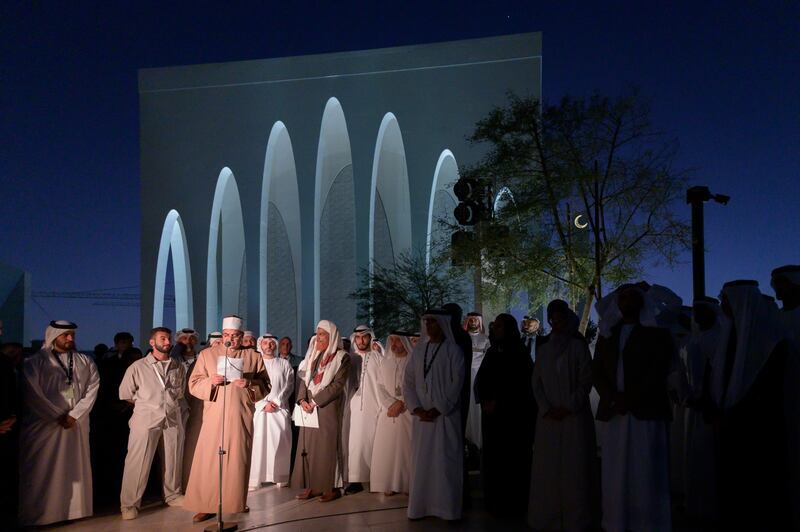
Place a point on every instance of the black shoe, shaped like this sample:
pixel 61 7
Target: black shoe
pixel 353 487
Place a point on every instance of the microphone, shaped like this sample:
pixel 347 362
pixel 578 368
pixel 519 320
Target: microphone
pixel 228 343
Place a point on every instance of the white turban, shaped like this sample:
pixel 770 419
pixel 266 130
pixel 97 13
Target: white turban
pixel 56 329
pixel 232 322
pixel 248 333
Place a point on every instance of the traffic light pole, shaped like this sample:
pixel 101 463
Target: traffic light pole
pixel 477 292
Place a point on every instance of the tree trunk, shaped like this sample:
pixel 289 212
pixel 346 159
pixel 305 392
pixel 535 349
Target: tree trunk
pixel 587 310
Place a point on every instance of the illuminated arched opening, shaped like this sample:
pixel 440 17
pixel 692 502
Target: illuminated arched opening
pixel 173 240
pixel 280 240
pixel 226 290
pixel 390 202
pixel 334 221
pixel 442 203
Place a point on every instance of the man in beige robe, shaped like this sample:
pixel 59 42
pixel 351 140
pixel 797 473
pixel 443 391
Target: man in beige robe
pixel 231 401
pixel 321 379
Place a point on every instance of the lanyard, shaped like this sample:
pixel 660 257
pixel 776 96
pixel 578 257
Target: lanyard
pixel 160 378
pixel 426 368
pixel 67 372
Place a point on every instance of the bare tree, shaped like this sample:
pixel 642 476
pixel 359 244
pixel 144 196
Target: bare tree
pixel 594 189
pixel 394 297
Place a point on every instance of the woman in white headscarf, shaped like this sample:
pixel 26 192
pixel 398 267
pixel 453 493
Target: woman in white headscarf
pixel 321 380
pixel 272 431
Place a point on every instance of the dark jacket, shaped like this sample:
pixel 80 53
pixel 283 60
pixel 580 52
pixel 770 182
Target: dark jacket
pixel 647 357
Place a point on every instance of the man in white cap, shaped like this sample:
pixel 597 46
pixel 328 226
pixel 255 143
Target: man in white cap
pixel 432 390
pixel 321 380
pixel 59 390
pixel 230 380
pixel 748 388
pixel 474 326
pixel 363 406
pixel 633 359
pixel 272 429
pixel 390 470
pixel 155 385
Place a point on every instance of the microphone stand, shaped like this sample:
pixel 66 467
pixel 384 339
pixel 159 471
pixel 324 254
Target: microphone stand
pixel 222 526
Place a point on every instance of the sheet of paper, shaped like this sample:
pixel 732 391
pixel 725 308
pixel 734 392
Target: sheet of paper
pixel 233 370
pixel 302 418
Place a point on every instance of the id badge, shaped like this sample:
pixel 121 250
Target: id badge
pixel 68 394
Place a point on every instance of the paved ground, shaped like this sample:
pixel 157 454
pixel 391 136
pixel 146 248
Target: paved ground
pixel 275 509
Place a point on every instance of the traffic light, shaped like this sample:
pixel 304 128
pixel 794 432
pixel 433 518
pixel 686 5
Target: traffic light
pixel 471 194
pixel 460 247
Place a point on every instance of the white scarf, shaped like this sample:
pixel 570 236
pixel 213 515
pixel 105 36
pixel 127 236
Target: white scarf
pixel 51 333
pixel 661 307
pixel 329 371
pixel 758 332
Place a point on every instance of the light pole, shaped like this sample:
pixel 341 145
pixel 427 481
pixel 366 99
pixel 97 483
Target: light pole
pixel 696 197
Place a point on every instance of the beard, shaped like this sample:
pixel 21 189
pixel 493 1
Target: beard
pixel 163 350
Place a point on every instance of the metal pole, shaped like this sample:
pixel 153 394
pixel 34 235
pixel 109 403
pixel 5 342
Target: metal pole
pixel 222 526
pixel 698 250
pixel 477 279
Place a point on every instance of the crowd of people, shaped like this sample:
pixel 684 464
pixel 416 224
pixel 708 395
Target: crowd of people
pixel 711 391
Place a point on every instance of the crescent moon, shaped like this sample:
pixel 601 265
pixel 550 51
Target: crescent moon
pixel 578 222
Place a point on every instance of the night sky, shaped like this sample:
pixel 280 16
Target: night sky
pixel 723 78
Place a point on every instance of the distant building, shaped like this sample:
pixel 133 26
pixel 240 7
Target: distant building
pixel 268 185
pixel 15 297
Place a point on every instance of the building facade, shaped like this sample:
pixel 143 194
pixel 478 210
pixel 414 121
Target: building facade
pixel 267 186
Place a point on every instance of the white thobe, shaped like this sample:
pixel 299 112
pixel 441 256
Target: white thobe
pixel 564 451
pixel 390 470
pixel 635 468
pixel 700 477
pixel 480 343
pixel 55 468
pixel 436 447
pixel 272 431
pixel 363 407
